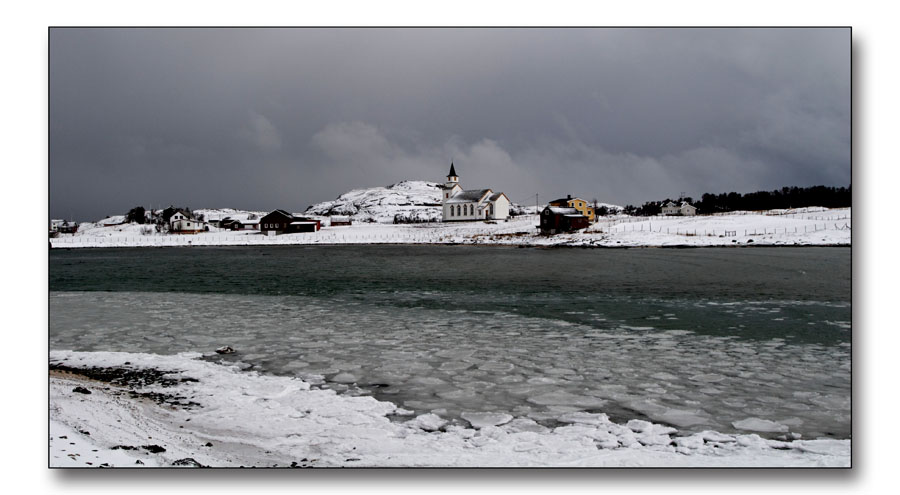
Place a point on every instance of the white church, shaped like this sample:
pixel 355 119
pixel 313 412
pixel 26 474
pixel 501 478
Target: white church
pixel 473 204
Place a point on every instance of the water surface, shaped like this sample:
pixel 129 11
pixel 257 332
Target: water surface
pixel 696 338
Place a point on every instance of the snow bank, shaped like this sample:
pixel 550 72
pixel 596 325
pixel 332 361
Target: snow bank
pixel 201 413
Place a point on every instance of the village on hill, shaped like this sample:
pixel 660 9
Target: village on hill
pixel 420 212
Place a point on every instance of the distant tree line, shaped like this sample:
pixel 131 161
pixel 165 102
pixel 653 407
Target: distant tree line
pixel 786 197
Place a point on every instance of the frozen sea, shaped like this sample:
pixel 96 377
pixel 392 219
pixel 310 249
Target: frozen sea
pixel 732 340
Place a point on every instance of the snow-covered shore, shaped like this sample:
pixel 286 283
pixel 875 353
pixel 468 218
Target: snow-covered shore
pixel 800 227
pixel 127 409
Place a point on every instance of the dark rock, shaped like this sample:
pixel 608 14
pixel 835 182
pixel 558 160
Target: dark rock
pixel 225 350
pixel 188 462
pixel 156 449
pixel 139 462
pixel 208 444
pixel 81 390
pixel 124 447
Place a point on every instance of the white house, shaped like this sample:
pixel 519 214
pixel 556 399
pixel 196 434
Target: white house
pixel 178 215
pixel 473 204
pixel 671 208
pixel 181 223
pixel 684 209
pixel 188 226
pixel 688 209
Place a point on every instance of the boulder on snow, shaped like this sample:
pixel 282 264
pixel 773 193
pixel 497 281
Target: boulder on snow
pixel 225 350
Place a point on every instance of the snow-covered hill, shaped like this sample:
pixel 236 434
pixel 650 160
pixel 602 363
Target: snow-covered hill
pixel 216 214
pixel 410 201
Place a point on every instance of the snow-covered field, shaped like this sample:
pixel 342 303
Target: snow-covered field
pixel 799 227
pixel 202 413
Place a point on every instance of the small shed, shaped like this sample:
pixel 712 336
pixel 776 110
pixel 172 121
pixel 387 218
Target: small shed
pixel 304 226
pixel 338 221
pixel 229 223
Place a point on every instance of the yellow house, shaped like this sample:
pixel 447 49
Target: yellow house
pixel 579 204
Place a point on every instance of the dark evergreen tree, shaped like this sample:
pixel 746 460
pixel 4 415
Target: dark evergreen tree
pixel 136 215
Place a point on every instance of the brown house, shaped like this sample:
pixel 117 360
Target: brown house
pixel 555 220
pixel 282 222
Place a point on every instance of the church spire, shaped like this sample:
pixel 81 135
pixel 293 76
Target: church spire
pixel 452 171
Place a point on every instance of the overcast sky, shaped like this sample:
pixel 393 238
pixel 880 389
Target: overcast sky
pixel 284 118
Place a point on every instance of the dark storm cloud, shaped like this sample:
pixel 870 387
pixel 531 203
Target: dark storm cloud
pixel 282 118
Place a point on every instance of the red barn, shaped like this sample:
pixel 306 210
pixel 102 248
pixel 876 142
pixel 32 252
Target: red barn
pixel 555 220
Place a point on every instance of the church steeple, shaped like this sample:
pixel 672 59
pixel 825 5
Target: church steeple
pixel 452 183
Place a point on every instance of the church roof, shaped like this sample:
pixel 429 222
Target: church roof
pixel 468 196
pixel 496 196
pixel 452 171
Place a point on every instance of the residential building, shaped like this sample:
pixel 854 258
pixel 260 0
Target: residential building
pixel 282 222
pixel 558 219
pixel 579 204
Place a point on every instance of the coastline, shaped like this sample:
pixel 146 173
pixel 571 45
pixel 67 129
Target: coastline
pixel 750 229
pixel 183 411
pixel 533 246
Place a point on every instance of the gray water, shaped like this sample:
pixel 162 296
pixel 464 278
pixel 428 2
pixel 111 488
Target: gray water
pixel 699 339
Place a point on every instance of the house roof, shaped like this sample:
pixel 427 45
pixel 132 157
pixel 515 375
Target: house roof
pixel 559 210
pixel 469 196
pixel 281 213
